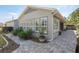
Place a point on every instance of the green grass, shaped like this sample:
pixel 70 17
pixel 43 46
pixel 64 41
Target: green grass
pixel 2 42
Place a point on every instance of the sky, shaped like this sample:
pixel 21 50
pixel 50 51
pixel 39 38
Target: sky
pixel 7 12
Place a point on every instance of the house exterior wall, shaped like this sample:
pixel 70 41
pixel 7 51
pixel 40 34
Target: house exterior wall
pixel 4 25
pixel 23 22
pixel 56 27
pixel 14 24
pixel 33 15
pixel 53 23
pixel 10 24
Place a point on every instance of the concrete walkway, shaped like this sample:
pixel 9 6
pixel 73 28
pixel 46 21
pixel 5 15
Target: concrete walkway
pixel 66 43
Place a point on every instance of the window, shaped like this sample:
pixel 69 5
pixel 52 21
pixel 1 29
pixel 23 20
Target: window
pixel 38 24
pixel 44 21
pixel 43 24
pixel 55 23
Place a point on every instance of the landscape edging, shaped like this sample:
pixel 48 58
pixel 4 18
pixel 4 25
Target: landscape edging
pixel 6 42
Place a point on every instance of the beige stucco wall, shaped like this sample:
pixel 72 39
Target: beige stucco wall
pixel 13 23
pixel 33 15
pixel 37 14
pixel 10 24
pixel 3 25
pixel 56 31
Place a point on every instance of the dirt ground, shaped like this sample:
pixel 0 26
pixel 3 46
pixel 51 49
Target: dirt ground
pixel 11 46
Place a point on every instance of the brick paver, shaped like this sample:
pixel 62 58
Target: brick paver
pixel 65 43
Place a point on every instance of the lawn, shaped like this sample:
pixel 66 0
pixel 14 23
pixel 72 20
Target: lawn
pixel 2 42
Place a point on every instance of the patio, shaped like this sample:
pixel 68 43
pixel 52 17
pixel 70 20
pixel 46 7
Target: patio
pixel 66 43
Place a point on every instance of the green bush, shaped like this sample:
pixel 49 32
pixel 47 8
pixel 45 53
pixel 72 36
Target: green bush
pixel 29 32
pixel 16 31
pixel 13 32
pixel 22 34
pixel 26 34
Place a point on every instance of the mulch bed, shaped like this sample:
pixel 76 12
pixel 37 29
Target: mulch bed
pixel 11 46
pixel 37 40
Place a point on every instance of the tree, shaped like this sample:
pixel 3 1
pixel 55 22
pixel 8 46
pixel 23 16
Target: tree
pixel 73 18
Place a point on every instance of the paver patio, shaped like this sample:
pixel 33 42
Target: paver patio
pixel 65 43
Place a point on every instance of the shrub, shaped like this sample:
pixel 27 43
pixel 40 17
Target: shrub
pixel 16 31
pixel 22 34
pixel 29 32
pixel 26 34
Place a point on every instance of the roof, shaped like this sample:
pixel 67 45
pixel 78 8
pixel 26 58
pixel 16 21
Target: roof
pixel 52 10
